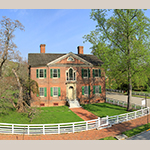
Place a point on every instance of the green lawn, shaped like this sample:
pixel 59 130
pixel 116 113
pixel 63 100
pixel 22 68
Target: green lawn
pixel 108 138
pixel 48 115
pixel 137 130
pixel 104 109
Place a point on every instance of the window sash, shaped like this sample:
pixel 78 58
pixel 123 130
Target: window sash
pixel 85 73
pixel 86 90
pixel 41 73
pixel 55 73
pixel 41 91
pixel 96 89
pixel 55 91
pixel 70 74
pixel 96 73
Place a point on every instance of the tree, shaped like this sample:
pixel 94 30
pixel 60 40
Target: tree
pixel 121 41
pixel 7 46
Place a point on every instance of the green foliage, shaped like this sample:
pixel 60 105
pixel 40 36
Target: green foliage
pixel 137 130
pixel 5 106
pixel 60 114
pixel 104 109
pixel 121 41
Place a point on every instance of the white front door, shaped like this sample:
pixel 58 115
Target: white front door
pixel 70 93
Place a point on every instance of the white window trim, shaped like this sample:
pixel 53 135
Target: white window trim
pixel 39 73
pixel 87 91
pixel 52 74
pixel 43 91
pixel 53 92
pixel 98 90
pixel 74 71
pixel 70 57
pixel 98 73
pixel 87 73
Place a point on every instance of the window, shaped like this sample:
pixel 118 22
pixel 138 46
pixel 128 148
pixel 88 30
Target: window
pixel 86 90
pixel 55 91
pixel 70 74
pixel 42 92
pixel 96 73
pixel 96 89
pixel 70 59
pixel 55 73
pixel 41 73
pixel 85 73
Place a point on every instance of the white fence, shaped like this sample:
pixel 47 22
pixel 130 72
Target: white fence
pixel 72 127
pixel 123 103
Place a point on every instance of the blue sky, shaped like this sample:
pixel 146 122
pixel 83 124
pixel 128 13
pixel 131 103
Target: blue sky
pixel 60 29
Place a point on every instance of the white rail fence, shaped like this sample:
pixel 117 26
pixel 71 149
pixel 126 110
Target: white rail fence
pixel 71 127
pixel 123 103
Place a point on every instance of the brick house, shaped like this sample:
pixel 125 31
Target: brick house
pixel 66 77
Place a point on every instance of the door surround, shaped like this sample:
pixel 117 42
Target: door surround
pixel 71 87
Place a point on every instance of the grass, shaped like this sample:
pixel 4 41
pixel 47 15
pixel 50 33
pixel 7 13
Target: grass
pixel 48 115
pixel 108 138
pixel 104 109
pixel 136 130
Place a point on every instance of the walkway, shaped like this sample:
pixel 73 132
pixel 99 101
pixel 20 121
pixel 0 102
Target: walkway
pixel 142 136
pixel 84 114
pixel 85 135
pixel 119 96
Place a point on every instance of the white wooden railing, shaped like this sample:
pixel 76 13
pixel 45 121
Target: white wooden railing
pixel 123 103
pixel 71 127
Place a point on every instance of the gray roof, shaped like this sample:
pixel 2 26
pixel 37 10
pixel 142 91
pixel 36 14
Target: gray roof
pixel 42 59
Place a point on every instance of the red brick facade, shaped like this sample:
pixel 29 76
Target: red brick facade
pixel 63 65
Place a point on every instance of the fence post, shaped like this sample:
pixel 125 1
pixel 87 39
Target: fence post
pixel 86 125
pixel 28 130
pixel 109 100
pixel 43 129
pixel 142 113
pixel 134 106
pixel 117 119
pixel 127 117
pixel 107 120
pixel 123 104
pixel 58 128
pixel 135 114
pixel 12 129
pixel 98 122
pixel 73 127
pixel 118 103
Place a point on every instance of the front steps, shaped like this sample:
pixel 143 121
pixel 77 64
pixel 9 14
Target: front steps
pixel 73 104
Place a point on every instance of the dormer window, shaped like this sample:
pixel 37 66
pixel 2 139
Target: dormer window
pixel 70 74
pixel 70 59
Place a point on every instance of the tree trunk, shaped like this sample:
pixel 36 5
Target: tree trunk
pixel 20 104
pixel 129 108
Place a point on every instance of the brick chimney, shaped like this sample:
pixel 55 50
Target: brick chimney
pixel 80 49
pixel 42 48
